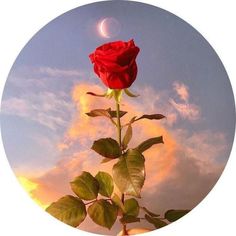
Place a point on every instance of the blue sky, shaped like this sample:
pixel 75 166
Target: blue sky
pixel 38 108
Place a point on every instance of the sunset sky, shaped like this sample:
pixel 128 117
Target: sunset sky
pixel 47 136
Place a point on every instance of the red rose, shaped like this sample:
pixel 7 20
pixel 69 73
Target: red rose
pixel 115 63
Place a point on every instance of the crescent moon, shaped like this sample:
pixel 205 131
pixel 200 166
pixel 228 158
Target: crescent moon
pixel 102 29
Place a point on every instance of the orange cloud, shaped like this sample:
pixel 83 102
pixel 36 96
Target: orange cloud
pixel 83 130
pixel 160 159
pixel 30 187
pixel 83 127
pixel 171 167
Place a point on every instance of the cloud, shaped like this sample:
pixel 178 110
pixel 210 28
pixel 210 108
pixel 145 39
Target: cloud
pixel 186 110
pixel 83 130
pixel 184 187
pixel 34 79
pixel 36 94
pixel 182 90
pixel 185 158
pixel 202 151
pixel 55 72
pixel 213 149
pixel 46 108
pixel 30 186
pixel 180 172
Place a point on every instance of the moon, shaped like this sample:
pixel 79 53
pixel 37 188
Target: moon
pixel 109 27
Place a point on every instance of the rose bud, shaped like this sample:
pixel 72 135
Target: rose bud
pixel 115 64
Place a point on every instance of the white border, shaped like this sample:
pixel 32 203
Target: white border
pixel 20 20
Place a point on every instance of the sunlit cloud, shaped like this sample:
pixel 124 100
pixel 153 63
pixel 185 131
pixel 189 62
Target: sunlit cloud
pixel 162 161
pixel 171 168
pixel 186 110
pixel 83 129
pixel 182 90
pixel 30 187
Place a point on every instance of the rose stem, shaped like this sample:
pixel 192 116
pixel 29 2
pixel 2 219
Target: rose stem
pixel 118 122
pixel 119 141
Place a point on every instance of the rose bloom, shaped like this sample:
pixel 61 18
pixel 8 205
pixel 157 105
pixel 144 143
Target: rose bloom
pixel 115 63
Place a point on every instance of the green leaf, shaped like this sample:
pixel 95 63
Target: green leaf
pixel 85 186
pixel 107 147
pixel 113 113
pixel 155 221
pixel 151 117
pixel 117 201
pixel 127 136
pixel 103 213
pixel 129 173
pixel 131 207
pixel 68 209
pixel 148 143
pixel 106 185
pixel 149 212
pixel 130 94
pixel 129 219
pixel 99 112
pixel 173 215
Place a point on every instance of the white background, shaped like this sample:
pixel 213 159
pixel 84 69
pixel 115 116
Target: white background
pixel 20 20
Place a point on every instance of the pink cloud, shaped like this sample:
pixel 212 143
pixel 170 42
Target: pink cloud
pixel 186 110
pixel 172 168
pixel 83 130
pixel 182 90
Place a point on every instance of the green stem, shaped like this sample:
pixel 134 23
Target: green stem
pixel 95 200
pixel 118 123
pixel 90 202
pixel 119 141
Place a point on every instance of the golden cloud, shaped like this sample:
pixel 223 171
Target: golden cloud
pixel 83 130
pixel 30 186
pixel 162 160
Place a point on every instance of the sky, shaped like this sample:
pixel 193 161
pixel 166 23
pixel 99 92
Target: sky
pixel 47 136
